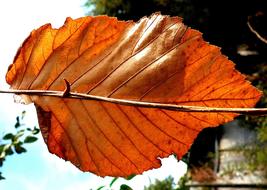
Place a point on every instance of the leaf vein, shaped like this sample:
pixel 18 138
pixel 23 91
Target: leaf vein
pixel 68 137
pixel 143 34
pixel 117 148
pixel 52 54
pixel 135 126
pixel 156 126
pixel 132 55
pixel 178 122
pixel 121 129
pixel 96 125
pixel 145 67
pixel 88 139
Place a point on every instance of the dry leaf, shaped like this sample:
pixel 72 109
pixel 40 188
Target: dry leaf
pixel 157 59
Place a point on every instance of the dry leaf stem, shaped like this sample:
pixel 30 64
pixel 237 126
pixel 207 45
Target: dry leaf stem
pixel 182 108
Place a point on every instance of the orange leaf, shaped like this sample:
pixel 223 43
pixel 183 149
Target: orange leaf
pixel 157 59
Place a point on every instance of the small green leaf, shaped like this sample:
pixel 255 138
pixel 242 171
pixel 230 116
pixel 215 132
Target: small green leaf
pixel 2 148
pixel 17 125
pixel 130 177
pixel 19 149
pixel 35 131
pixel 101 187
pixel 9 151
pixel 8 136
pixel 23 114
pixel 1 161
pixel 1 177
pixel 30 139
pixel 113 181
pixel 125 187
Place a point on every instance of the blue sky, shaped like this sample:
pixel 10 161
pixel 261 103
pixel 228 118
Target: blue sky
pixel 38 169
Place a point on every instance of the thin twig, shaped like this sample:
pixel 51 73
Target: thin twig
pixel 67 88
pixel 174 107
pixel 255 32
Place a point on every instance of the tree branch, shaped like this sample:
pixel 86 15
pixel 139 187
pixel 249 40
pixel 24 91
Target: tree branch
pixel 174 107
pixel 255 32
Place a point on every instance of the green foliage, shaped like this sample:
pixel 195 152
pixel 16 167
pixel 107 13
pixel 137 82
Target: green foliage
pixel 101 187
pixel 130 177
pixel 169 184
pixel 111 8
pixel 30 139
pixel 258 153
pixel 13 142
pixel 8 136
pixel 166 184
pixel 113 181
pixel 125 187
pixel 122 186
pixel 182 183
pixel 127 9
